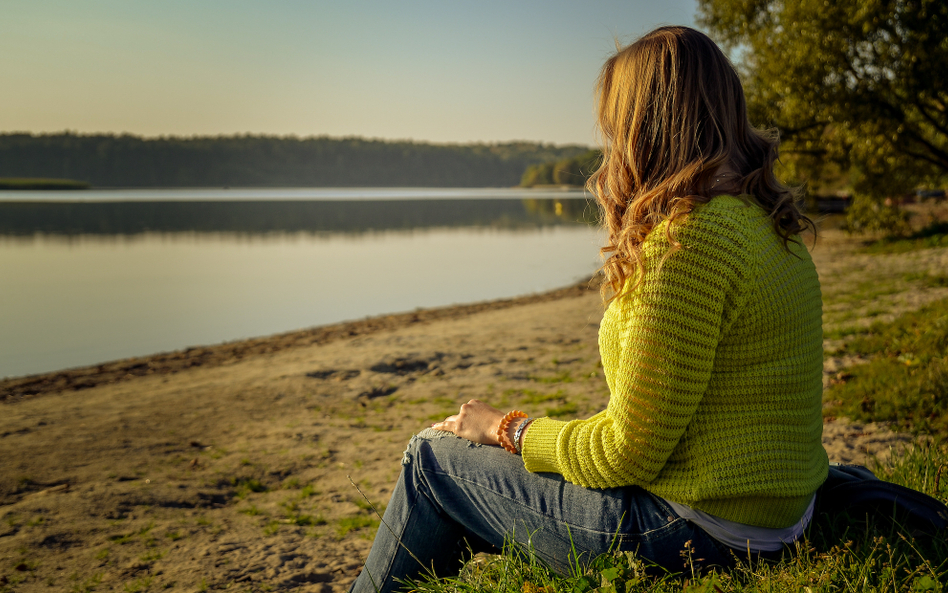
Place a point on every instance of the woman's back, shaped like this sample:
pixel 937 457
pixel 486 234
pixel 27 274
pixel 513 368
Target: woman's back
pixel 714 362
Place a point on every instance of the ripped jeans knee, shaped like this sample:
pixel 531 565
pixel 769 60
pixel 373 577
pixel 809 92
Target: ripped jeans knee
pixel 434 437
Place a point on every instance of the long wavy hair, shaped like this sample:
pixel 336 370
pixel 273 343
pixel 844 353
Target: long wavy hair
pixel 671 111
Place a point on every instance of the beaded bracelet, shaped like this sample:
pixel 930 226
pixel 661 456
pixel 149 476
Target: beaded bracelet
pixel 505 441
pixel 519 432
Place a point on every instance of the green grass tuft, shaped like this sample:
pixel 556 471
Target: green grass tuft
pixel 245 486
pixel 347 524
pixel 271 528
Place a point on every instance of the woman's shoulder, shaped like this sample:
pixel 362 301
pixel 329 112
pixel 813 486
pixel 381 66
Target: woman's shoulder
pixel 739 218
pixel 740 207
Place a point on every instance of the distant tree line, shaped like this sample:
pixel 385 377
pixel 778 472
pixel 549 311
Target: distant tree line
pixel 106 160
pixel 572 170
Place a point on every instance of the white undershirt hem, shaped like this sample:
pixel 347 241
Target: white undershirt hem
pixel 745 537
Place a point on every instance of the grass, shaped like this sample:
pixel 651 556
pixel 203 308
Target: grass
pixel 87 585
pixel 927 280
pixel 304 520
pixel 561 377
pixel 842 332
pixel 122 539
pixel 245 486
pixel 566 409
pixel 532 396
pixel 906 378
pixel 347 524
pixel 271 528
pixel 140 584
pixel 933 235
pixel 365 505
pixel 152 556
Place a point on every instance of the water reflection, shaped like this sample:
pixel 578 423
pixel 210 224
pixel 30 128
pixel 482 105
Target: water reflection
pixel 78 299
pixel 25 219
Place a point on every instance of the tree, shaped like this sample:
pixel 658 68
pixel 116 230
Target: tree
pixel 539 174
pixel 860 83
pixel 570 171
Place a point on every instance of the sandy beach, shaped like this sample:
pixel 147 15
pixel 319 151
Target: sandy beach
pixel 244 465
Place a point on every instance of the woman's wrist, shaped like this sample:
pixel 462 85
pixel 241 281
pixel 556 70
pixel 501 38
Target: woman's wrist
pixel 506 429
pixel 520 433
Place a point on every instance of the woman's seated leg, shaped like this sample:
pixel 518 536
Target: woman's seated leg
pixel 416 537
pixel 451 490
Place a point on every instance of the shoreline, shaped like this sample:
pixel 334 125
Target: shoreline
pixel 13 389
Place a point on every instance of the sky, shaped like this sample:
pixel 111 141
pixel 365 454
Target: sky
pixel 444 71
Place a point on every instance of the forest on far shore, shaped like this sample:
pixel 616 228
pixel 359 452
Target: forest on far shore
pixel 573 171
pixel 106 160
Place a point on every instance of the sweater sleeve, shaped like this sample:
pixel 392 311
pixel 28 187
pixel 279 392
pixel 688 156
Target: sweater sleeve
pixel 658 349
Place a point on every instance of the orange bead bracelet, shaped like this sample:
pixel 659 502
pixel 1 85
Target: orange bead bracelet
pixel 502 436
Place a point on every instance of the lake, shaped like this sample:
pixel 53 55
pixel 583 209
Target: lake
pixel 91 276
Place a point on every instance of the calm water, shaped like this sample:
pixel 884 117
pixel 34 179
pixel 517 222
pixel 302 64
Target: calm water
pixel 293 193
pixel 87 282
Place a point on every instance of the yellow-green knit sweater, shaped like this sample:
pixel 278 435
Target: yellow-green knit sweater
pixel 714 366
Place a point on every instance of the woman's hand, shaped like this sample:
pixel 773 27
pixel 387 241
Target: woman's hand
pixel 475 422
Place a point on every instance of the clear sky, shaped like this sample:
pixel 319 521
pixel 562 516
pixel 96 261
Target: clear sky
pixel 428 70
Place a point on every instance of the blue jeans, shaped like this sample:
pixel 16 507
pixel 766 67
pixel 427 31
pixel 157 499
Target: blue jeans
pixel 454 496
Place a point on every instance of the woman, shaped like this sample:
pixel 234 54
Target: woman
pixel 711 346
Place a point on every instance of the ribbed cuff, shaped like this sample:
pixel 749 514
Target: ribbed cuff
pixel 539 445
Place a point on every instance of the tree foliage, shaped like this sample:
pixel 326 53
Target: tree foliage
pixel 570 171
pixel 269 161
pixel 862 84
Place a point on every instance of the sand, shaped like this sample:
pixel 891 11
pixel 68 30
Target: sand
pixel 244 465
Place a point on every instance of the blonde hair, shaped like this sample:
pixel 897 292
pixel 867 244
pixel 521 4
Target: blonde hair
pixel 671 111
